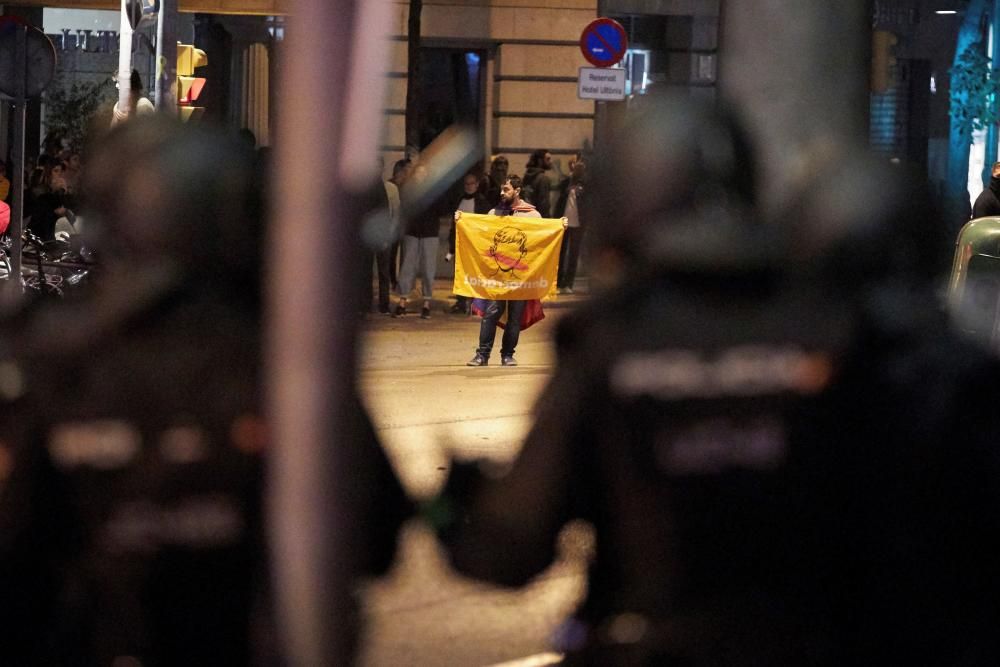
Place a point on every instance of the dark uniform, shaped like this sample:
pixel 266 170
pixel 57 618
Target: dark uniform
pixel 779 470
pixel 144 464
pixel 134 490
pixel 764 489
pixel 132 469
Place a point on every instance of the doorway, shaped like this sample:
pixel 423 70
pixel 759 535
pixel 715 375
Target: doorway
pixel 452 92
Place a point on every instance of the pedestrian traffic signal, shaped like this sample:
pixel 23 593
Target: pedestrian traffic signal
pixel 190 113
pixel 189 86
pixel 189 58
pixel 883 60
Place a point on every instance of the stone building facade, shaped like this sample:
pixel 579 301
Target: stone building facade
pixel 527 58
pixel 526 55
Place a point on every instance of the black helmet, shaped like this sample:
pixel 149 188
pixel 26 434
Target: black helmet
pixel 857 221
pixel 165 195
pixel 676 189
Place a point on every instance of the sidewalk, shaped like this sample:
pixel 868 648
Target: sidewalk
pixel 444 297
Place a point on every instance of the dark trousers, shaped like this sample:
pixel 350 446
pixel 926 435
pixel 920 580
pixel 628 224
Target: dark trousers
pixel 382 265
pixel 569 256
pixel 383 260
pixel 392 255
pixel 511 332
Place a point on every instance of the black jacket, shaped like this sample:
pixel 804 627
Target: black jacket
pixel 43 213
pixel 988 202
pixel 536 186
pixel 131 521
pixel 770 482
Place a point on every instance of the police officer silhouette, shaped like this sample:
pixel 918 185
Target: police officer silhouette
pixel 786 456
pixel 133 491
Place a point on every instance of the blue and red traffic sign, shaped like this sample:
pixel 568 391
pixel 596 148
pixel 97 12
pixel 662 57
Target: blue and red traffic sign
pixel 603 42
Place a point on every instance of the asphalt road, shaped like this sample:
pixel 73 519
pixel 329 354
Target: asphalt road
pixel 427 403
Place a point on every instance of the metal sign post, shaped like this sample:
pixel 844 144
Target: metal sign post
pixel 20 107
pixel 124 58
pixel 166 57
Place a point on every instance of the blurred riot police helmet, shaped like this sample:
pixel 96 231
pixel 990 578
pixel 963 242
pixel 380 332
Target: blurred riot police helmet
pixel 166 196
pixel 857 221
pixel 676 189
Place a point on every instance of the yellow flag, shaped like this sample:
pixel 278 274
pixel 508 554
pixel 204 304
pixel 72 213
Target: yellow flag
pixel 509 257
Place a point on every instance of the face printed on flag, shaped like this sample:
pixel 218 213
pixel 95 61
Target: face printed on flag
pixel 508 251
pixel 506 257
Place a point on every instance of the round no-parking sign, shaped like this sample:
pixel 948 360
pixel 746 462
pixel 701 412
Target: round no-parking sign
pixel 603 42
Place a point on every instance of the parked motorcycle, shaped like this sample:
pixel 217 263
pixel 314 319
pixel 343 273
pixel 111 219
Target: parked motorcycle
pixel 48 267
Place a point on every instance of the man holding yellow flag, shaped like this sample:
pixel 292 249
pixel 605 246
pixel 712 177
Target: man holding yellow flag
pixel 507 264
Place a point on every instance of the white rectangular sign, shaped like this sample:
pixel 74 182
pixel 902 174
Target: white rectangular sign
pixel 601 83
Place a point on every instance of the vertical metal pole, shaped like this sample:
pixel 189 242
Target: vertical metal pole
pixel 20 107
pixel 124 59
pixel 803 90
pixel 328 127
pixel 166 57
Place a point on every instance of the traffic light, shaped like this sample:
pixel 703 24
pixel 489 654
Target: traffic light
pixel 189 86
pixel 883 59
pixel 188 89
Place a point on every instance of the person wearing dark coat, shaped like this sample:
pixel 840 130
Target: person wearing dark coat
pixel 538 183
pixel 471 201
pixel 494 180
pixel 50 202
pixel 988 201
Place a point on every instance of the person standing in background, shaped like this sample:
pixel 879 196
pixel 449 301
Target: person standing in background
pixel 493 181
pixel 400 173
pixel 471 201
pixel 385 257
pixel 420 246
pixel 988 201
pixel 510 204
pixel 569 208
pixel 537 183
pixel 375 241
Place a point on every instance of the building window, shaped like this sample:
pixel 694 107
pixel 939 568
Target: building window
pixel 637 71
